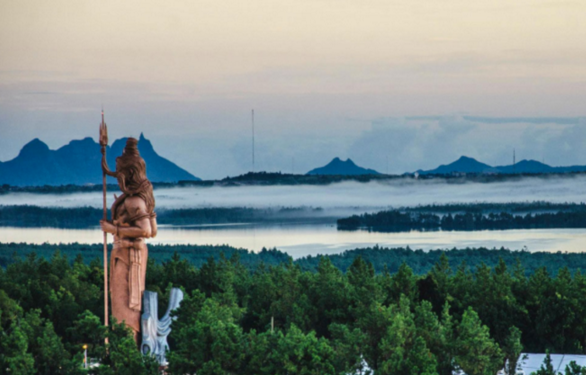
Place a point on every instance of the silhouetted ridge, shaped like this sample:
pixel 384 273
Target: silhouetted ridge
pixel 466 164
pixel 79 162
pixel 340 167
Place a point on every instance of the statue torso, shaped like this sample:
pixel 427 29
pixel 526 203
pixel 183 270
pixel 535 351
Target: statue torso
pixel 127 211
pixel 121 215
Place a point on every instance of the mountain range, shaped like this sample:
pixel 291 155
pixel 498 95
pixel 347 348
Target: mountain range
pixel 340 167
pixel 464 164
pixel 470 165
pixel 79 163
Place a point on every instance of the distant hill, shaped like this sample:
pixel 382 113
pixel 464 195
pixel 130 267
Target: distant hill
pixel 462 165
pixel 527 166
pixel 79 163
pixel 470 165
pixel 341 168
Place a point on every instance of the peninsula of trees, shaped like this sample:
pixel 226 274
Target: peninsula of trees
pixel 463 217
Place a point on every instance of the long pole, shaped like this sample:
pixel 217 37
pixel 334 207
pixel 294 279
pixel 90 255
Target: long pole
pixel 105 258
pixel 104 143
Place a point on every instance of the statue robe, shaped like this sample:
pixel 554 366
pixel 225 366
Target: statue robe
pixel 127 268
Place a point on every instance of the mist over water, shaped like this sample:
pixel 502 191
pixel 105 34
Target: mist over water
pixel 346 196
pixel 337 200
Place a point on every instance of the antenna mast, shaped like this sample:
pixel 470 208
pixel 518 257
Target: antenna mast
pixel 253 140
pixel 514 162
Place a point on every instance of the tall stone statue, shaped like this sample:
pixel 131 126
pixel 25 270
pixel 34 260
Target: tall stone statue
pixel 133 220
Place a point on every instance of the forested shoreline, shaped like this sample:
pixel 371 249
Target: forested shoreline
pixel 86 217
pixel 493 207
pixel 454 216
pixel 325 321
pixel 397 221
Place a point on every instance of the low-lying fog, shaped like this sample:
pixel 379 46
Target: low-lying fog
pixel 346 195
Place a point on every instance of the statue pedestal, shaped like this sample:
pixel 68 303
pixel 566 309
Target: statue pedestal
pixel 154 330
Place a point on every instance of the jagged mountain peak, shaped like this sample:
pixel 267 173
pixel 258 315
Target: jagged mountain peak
pixel 144 145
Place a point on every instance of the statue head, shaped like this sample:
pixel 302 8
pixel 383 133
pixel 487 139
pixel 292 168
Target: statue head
pixel 131 175
pixel 130 167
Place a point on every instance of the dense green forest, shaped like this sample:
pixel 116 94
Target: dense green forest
pixel 325 321
pixel 85 217
pixel 195 254
pixel 382 259
pixel 397 221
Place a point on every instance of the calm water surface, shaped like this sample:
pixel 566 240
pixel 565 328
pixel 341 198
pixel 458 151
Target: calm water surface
pixel 304 239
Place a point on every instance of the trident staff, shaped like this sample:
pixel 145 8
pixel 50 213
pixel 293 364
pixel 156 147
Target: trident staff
pixel 103 144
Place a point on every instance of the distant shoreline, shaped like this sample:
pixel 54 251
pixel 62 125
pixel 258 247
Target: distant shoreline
pixel 277 179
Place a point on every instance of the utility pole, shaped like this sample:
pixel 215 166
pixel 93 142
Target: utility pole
pixel 514 162
pixel 253 140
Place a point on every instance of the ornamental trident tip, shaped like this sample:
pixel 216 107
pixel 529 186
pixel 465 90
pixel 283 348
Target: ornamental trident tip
pixel 103 133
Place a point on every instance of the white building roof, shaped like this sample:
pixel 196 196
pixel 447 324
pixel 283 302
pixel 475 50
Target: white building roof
pixel 531 362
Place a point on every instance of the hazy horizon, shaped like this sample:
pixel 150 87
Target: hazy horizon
pixel 373 81
pixel 448 137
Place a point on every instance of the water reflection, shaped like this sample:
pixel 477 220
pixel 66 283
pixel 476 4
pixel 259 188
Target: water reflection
pixel 303 239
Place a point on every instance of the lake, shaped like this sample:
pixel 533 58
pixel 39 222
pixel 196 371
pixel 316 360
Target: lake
pixel 320 236
pixel 303 239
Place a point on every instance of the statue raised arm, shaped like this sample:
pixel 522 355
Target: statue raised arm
pixel 106 169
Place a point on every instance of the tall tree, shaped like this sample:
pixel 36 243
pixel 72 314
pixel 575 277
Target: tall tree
pixel 476 352
pixel 402 351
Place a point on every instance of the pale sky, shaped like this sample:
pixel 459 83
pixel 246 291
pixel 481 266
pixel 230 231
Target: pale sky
pixel 319 74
